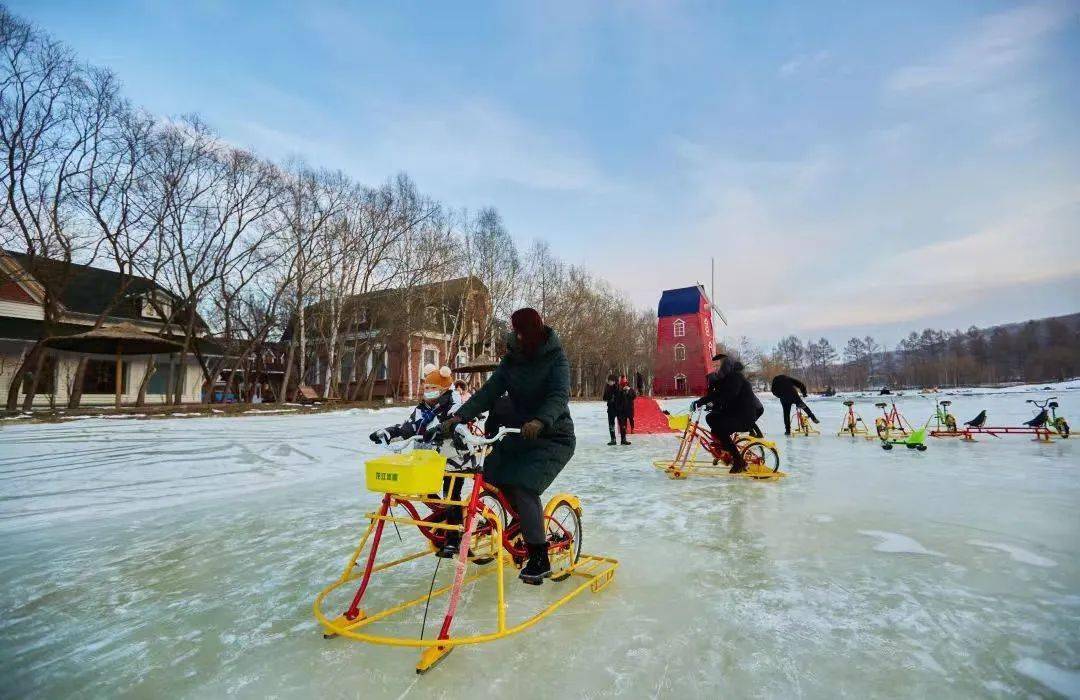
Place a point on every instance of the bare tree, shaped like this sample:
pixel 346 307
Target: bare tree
pixel 44 126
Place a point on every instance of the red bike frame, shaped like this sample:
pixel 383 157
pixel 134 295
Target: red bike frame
pixel 434 528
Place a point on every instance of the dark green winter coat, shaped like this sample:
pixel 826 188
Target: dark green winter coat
pixel 538 387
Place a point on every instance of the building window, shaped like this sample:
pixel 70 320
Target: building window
pixel 680 384
pixel 100 377
pixel 47 381
pixel 164 378
pixel 152 302
pixel 382 363
pixel 431 357
pixel 680 352
pixel 680 328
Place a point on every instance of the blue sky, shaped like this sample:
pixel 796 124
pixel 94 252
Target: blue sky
pixel 853 167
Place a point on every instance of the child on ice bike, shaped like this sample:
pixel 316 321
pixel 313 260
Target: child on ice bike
pixel 440 401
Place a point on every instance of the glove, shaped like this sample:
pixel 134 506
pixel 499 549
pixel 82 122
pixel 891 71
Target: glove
pixel 380 436
pixel 531 430
pixel 447 426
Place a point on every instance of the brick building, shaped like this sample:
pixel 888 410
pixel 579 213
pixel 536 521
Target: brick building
pixel 385 338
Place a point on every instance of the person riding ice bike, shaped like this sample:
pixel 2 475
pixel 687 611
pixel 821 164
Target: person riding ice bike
pixel 440 401
pixel 535 376
pixel 734 408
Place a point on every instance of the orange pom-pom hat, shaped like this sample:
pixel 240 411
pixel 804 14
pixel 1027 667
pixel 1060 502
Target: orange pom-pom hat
pixel 438 376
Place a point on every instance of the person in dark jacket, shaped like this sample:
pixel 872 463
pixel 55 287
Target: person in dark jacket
pixel 611 392
pixel 735 407
pixel 787 389
pixel 624 408
pixel 535 375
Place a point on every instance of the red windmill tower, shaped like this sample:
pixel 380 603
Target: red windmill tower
pixel 684 342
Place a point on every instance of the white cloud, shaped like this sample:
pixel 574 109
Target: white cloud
pixel 1000 43
pixel 1036 245
pixel 478 141
pixel 804 62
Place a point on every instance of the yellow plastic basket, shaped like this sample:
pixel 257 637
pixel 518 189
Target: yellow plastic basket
pixel 678 422
pixel 415 472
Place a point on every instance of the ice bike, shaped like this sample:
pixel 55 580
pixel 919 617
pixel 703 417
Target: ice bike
pixel 1047 417
pixel 1043 426
pixel 762 459
pixel 490 538
pixel 853 425
pixel 803 426
pixel 914 439
pixel 945 422
pixel 891 424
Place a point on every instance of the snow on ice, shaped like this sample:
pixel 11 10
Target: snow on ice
pixel 179 557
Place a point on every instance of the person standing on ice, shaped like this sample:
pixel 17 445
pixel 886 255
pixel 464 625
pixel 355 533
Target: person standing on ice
pixel 787 390
pixel 624 409
pixel 611 394
pixel 535 375
pixel 734 407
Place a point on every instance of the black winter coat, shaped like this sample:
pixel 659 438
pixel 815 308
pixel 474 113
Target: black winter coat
pixel 538 387
pixel 733 395
pixel 624 402
pixel 610 392
pixel 785 387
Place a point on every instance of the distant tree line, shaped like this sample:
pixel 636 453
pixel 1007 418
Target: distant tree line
pixel 1036 351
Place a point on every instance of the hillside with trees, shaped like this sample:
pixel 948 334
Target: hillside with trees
pixel 1041 350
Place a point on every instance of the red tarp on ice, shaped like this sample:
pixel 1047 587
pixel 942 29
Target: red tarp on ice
pixel 648 418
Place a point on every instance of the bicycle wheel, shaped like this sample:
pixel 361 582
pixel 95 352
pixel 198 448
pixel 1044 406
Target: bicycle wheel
pixel 564 539
pixel 763 457
pixel 485 546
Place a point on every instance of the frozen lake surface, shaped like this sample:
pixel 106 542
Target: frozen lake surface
pixel 179 557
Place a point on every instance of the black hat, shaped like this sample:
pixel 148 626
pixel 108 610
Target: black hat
pixel 719 356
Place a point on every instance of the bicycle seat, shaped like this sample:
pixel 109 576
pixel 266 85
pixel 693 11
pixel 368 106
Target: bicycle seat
pixel 946 403
pixel 1053 404
pixel 881 405
pixel 849 403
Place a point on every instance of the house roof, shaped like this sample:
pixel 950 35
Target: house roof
pixel 29 330
pixel 448 289
pixel 676 302
pixel 90 290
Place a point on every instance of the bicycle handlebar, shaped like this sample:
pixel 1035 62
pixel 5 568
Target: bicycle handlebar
pixel 402 444
pixel 476 441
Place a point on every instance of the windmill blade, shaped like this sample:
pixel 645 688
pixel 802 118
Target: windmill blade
pixel 712 306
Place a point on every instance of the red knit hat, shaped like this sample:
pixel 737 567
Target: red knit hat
pixel 528 324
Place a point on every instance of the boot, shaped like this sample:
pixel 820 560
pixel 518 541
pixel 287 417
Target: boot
pixel 612 431
pixel 739 464
pixel 451 547
pixel 538 567
pixel 625 441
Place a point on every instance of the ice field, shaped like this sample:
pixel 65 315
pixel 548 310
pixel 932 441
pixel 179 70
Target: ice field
pixel 180 557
